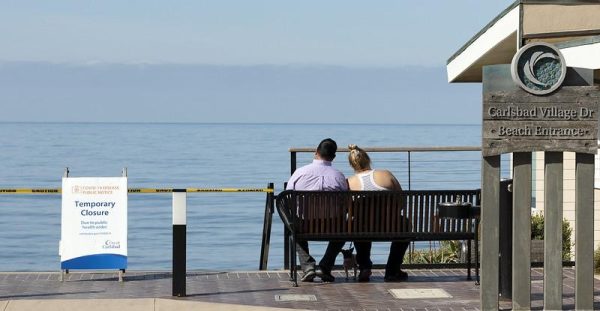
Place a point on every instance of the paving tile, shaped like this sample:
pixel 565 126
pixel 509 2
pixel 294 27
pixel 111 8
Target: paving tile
pixel 295 297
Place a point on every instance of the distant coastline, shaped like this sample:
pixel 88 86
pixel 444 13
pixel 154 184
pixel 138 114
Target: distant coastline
pixel 240 123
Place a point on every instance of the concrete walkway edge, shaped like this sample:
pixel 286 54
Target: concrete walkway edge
pixel 141 304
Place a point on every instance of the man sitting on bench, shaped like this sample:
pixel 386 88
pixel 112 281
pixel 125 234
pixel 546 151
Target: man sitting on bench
pixel 319 175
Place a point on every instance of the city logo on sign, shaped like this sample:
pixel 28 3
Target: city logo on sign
pixel 539 68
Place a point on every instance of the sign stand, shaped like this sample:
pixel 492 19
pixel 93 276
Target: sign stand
pixel 94 223
pixel 122 271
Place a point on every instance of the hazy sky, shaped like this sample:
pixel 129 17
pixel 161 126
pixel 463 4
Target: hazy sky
pixel 227 32
pixel 62 59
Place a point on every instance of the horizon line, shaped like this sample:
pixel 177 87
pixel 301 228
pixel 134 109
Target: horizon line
pixel 235 123
pixel 92 63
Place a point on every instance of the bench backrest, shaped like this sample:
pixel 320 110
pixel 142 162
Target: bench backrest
pixel 371 212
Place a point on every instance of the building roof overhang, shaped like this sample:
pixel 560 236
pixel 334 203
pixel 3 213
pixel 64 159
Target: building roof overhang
pixel 572 25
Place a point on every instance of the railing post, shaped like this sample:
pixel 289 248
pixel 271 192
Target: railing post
pixel 63 271
pixel 179 241
pixel 286 242
pixel 267 224
pixel 409 172
pixel 292 162
pixel 286 233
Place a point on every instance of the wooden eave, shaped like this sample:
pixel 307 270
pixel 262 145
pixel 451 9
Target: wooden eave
pixel 525 21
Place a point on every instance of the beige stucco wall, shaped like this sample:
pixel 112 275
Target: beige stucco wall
pixel 568 193
pixel 550 18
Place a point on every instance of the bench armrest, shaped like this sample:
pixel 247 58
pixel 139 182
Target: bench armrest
pixel 282 204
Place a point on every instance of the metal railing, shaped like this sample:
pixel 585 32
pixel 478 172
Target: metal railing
pixel 136 190
pixel 420 167
pixel 179 211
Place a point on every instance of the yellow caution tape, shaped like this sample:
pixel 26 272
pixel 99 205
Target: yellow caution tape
pixel 268 190
pixel 150 190
pixel 136 190
pixel 29 191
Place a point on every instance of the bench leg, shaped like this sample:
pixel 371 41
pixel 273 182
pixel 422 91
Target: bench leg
pixel 293 263
pixel 290 260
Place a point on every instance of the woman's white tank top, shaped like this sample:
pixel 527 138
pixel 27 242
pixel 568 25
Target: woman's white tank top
pixel 367 181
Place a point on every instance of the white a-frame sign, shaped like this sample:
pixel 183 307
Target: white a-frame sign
pixel 94 223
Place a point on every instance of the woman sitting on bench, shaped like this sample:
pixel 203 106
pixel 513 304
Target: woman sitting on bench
pixel 366 178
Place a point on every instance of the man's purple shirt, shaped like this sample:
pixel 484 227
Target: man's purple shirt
pixel 319 175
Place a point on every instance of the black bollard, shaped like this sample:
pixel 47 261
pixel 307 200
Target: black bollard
pixel 179 242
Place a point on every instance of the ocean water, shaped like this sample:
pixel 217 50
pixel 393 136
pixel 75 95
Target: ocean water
pixel 224 229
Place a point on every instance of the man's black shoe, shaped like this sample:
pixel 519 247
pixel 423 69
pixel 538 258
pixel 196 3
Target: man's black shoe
pixel 325 276
pixel 309 275
pixel 364 275
pixel 398 277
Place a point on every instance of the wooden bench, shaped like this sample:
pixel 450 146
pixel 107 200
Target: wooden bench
pixel 373 216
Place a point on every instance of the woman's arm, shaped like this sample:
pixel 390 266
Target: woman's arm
pixel 353 183
pixel 396 183
pixel 387 180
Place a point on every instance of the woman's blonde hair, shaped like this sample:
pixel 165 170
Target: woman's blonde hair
pixel 358 158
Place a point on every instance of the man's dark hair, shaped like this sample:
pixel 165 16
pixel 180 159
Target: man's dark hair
pixel 327 149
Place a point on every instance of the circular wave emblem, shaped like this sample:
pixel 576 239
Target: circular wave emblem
pixel 539 68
